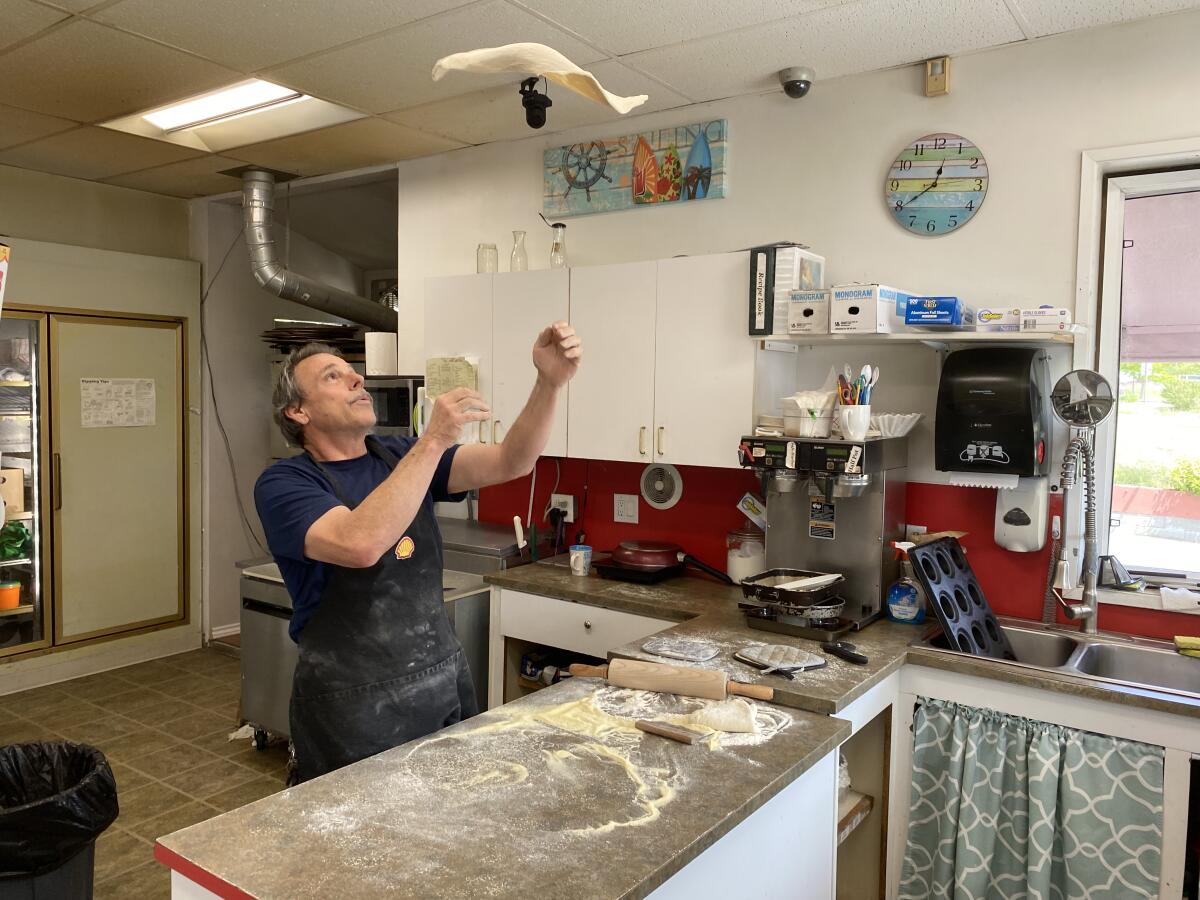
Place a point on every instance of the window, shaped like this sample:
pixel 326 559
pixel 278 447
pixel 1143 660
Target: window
pixel 1149 349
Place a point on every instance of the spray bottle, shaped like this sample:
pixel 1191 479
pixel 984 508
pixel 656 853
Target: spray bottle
pixel 905 599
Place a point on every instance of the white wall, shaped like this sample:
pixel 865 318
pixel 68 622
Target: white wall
pixel 813 170
pixel 44 207
pixel 236 312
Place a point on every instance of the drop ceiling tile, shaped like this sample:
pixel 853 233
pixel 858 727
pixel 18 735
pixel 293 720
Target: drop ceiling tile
pixel 393 70
pixel 355 145
pixel 93 153
pixel 252 36
pixel 19 125
pixel 623 26
pixel 496 114
pixel 840 40
pixel 21 18
pixel 190 178
pixel 88 72
pixel 1052 16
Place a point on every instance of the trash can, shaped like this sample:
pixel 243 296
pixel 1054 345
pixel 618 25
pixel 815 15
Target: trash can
pixel 56 798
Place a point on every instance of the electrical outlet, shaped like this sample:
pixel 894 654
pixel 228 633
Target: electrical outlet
pixel 625 508
pixel 566 503
pixel 911 531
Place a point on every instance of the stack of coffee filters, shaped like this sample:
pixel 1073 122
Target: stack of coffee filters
pixel 808 414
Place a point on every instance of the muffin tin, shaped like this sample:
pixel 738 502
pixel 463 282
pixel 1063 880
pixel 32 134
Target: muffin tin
pixel 957 599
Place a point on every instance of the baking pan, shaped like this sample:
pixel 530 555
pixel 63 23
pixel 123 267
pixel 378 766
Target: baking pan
pixel 765 587
pixel 957 599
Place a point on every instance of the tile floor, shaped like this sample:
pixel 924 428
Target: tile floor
pixel 163 726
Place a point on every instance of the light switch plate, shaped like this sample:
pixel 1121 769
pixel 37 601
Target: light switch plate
pixel 625 508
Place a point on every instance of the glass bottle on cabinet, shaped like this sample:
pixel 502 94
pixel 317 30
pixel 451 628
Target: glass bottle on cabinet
pixel 24 619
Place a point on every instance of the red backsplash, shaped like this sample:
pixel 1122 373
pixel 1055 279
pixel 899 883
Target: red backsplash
pixel 1013 582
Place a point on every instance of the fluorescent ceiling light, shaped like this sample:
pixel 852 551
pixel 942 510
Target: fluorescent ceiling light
pixel 239 100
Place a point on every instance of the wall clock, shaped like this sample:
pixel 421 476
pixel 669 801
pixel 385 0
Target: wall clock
pixel 937 184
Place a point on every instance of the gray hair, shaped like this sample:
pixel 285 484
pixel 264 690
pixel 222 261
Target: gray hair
pixel 287 393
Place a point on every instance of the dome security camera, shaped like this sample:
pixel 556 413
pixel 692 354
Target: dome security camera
pixel 796 81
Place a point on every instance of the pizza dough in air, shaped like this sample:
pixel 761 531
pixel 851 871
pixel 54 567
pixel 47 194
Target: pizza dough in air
pixel 733 715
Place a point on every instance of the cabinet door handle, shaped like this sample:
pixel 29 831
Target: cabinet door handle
pixel 587 625
pixel 659 444
pixel 56 474
pixel 496 440
pixel 642 441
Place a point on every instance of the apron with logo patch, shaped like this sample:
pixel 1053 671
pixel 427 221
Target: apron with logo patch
pixel 379 663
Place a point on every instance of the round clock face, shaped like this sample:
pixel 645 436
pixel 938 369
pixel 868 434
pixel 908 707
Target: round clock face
pixel 936 184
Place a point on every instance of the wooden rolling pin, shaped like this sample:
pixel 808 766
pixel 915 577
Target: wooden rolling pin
pixel 649 676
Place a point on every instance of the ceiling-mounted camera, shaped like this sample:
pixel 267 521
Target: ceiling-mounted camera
pixel 796 81
pixel 535 104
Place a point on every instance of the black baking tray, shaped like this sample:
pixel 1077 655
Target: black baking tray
pixel 957 600
pixel 761 587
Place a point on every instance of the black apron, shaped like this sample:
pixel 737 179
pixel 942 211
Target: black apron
pixel 379 662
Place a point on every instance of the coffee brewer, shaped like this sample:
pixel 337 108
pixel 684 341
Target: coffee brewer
pixel 832 506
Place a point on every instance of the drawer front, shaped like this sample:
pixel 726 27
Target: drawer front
pixel 572 626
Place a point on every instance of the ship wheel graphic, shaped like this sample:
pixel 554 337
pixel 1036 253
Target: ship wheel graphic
pixel 583 166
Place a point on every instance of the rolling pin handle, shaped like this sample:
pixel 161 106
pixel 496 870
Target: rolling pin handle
pixel 588 671
pixel 753 691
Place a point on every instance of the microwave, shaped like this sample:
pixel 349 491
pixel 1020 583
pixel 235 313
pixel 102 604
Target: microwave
pixel 394 398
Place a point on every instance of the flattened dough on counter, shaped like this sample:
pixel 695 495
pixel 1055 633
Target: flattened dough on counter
pixel 733 715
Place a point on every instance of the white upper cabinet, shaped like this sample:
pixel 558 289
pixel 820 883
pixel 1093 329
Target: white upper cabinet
pixel 668 369
pixel 458 322
pixel 611 410
pixel 704 361
pixel 524 303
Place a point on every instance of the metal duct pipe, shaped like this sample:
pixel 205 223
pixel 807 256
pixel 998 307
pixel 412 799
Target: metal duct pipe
pixel 258 222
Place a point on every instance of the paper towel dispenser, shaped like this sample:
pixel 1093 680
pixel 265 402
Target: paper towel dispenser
pixel 991 412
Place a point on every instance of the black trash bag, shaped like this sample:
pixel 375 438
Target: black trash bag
pixel 55 799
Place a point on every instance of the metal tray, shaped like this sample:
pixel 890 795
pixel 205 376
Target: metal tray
pixel 957 600
pixel 764 588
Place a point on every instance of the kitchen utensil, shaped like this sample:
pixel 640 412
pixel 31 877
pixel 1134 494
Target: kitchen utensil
pixel 681 648
pixel 846 651
pixel 957 599
pixel 779 658
pixel 773 586
pixel 649 676
pixel 659 554
pixel 520 534
pixel 667 730
pixel 581 559
pixel 894 424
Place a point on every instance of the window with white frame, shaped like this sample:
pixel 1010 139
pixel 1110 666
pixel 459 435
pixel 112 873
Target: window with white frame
pixel 1149 349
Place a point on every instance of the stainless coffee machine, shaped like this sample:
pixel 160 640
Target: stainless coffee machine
pixel 832 506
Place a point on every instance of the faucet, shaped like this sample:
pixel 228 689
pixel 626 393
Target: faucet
pixel 1080 455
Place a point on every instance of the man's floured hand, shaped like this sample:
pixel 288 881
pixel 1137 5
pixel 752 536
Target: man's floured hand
pixel 556 354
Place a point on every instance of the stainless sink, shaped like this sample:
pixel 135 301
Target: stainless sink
pixel 1133 662
pixel 1147 666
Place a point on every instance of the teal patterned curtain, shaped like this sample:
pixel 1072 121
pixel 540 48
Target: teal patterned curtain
pixel 1009 807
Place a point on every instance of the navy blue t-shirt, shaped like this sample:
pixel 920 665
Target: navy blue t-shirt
pixel 293 493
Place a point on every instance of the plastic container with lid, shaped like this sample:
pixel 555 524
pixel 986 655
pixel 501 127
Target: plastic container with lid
pixel 10 594
pixel 745 551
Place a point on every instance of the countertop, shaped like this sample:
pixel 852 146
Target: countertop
pixel 547 796
pixel 711 614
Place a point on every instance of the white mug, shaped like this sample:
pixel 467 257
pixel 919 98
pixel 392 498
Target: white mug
pixel 855 422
